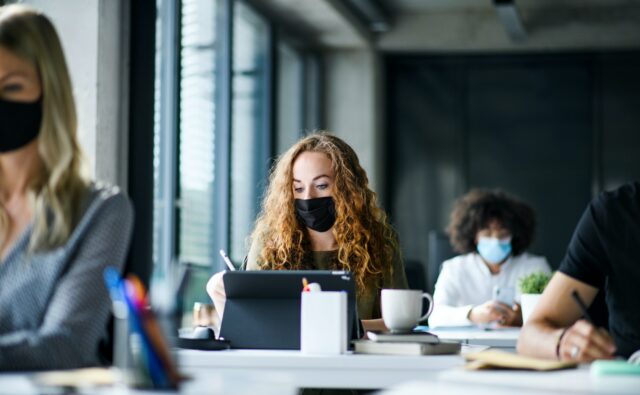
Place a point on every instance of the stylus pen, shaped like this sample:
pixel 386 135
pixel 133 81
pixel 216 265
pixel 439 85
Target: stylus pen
pixel 581 305
pixel 226 260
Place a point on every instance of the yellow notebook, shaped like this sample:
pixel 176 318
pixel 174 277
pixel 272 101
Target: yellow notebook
pixel 88 377
pixel 493 359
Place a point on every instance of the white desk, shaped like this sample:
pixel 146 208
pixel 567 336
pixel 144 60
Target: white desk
pixel 570 380
pixel 16 384
pixel 282 372
pixel 504 382
pixel 499 338
pixel 211 383
pixel 318 371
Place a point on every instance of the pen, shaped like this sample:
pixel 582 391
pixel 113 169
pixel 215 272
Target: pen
pixel 310 287
pixel 226 260
pixel 581 305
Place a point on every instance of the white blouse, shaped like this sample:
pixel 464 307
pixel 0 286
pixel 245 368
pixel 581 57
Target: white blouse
pixel 465 282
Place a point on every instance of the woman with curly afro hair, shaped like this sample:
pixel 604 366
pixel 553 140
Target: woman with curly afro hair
pixel 319 213
pixel 492 231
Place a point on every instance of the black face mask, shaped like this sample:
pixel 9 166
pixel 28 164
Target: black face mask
pixel 19 123
pixel 318 214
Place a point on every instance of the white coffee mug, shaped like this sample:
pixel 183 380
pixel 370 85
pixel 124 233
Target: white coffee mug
pixel 401 308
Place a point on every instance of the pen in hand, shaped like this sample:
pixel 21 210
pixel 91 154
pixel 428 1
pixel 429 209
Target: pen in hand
pixel 227 261
pixel 605 343
pixel 581 305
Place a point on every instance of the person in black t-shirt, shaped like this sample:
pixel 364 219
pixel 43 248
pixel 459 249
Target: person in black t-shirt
pixel 603 256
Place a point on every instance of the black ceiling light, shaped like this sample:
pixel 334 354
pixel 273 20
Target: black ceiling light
pixel 510 18
pixel 371 13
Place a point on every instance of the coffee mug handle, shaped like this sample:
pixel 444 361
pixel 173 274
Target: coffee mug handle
pixel 430 299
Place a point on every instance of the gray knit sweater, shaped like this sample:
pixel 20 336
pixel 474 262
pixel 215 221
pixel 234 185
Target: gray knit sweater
pixel 54 305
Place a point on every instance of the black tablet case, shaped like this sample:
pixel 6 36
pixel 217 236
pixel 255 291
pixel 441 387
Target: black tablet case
pixel 262 310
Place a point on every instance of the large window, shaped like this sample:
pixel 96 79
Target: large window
pixel 196 132
pixel 250 123
pixel 184 139
pixel 298 93
pixel 289 91
pixel 213 134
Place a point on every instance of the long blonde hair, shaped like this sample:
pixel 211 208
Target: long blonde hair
pixel 57 193
pixel 366 242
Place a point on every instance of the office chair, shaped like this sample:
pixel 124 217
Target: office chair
pixel 416 278
pixel 439 251
pixel 415 272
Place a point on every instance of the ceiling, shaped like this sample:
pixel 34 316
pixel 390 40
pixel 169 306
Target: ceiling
pixel 421 6
pixel 424 25
pixel 475 25
pixel 326 21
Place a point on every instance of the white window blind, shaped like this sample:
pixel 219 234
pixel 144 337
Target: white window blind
pixel 196 131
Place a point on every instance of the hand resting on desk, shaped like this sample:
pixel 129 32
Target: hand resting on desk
pixel 555 330
pixel 583 342
pixel 215 289
pixel 493 311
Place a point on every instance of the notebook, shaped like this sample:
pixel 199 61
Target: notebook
pixel 77 378
pixel 409 337
pixel 414 348
pixel 494 359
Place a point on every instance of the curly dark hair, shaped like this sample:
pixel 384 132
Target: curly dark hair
pixel 478 208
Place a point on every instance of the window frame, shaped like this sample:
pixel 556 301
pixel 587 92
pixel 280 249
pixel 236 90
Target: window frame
pixel 170 66
pixel 222 156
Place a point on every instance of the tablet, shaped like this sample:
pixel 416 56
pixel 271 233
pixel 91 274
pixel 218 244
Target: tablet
pixel 262 310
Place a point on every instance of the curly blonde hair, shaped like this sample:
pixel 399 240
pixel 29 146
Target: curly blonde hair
pixel 367 244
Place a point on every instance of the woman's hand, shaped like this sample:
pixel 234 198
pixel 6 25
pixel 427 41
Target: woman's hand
pixel 516 318
pixel 373 325
pixel 215 289
pixel 493 311
pixel 583 342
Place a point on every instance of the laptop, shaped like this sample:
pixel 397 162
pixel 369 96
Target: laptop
pixel 262 310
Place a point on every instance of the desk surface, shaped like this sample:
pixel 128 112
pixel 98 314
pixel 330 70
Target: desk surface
pixel 321 371
pixel 501 337
pixel 504 382
pixel 211 383
pixel 282 372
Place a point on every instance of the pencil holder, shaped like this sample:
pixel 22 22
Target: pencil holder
pixel 323 323
pixel 127 352
pixel 141 352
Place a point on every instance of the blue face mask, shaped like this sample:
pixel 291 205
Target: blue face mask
pixel 494 250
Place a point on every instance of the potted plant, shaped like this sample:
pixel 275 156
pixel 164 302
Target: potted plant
pixel 531 287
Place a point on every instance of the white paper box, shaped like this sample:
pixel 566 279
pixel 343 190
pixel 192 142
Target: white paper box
pixel 323 323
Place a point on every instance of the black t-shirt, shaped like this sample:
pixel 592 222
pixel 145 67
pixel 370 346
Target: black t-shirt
pixel 605 252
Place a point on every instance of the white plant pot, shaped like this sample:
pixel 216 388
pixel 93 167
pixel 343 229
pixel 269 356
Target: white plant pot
pixel 528 303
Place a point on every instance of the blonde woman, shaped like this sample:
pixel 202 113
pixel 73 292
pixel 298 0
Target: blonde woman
pixel 319 213
pixel 58 230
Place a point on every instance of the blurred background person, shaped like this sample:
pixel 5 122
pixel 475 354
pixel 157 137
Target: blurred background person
pixel 492 231
pixel 58 229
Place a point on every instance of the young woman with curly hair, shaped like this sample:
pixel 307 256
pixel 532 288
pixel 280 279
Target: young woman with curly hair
pixel 492 231
pixel 319 213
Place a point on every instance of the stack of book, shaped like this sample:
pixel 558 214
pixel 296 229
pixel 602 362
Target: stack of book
pixel 411 343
